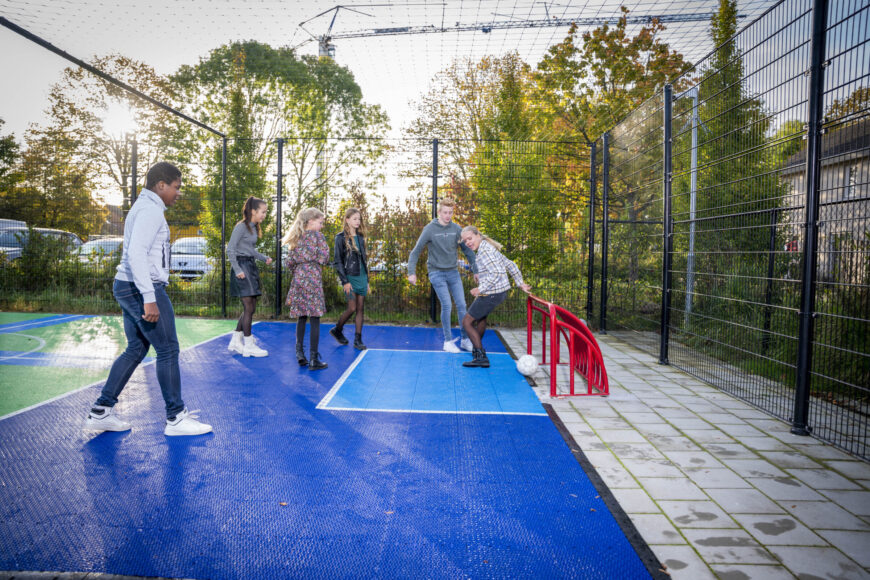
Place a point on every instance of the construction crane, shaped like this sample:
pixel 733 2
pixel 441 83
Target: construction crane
pixel 327 49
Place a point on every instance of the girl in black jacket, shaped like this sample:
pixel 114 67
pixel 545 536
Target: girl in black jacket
pixel 352 267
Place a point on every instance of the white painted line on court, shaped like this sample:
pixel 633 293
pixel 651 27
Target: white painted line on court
pixel 325 400
pixel 437 412
pixel 25 353
pixel 40 321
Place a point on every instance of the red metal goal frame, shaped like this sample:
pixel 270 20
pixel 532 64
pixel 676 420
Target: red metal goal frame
pixel 584 354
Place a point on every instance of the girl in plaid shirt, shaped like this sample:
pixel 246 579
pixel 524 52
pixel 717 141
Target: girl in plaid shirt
pixel 493 286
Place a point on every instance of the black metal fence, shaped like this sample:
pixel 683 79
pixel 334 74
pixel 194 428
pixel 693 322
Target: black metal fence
pixel 736 230
pixel 527 195
pixel 723 226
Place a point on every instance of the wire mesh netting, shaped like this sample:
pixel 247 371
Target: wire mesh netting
pixel 519 193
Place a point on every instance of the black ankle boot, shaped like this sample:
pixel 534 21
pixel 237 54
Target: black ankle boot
pixel 358 343
pixel 300 355
pixel 478 359
pixel 337 335
pixel 316 364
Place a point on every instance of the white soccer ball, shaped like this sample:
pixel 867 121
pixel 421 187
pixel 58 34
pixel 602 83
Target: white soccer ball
pixel 527 365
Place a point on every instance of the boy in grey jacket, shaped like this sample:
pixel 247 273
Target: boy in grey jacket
pixel 149 320
pixel 443 237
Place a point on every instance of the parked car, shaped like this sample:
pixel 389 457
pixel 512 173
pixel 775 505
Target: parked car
pixel 188 259
pixel 14 240
pixel 100 250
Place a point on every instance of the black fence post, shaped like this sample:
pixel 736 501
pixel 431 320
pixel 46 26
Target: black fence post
pixel 224 228
pixel 815 121
pixel 433 310
pixel 134 158
pixel 590 272
pixel 667 224
pixel 605 230
pixel 279 191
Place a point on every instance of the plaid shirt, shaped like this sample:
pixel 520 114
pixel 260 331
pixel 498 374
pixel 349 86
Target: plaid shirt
pixel 493 269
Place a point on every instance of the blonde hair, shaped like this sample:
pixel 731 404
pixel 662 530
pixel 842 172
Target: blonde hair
pixel 291 238
pixel 476 232
pixel 348 235
pixel 446 202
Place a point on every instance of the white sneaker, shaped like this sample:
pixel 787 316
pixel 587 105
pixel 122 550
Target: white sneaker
pixel 236 342
pixel 104 419
pixel 465 344
pixel 251 349
pixel 186 423
pixel 450 347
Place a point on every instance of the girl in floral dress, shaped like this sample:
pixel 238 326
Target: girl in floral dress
pixel 308 253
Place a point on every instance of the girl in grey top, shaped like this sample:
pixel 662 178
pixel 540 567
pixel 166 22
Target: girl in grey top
pixel 245 278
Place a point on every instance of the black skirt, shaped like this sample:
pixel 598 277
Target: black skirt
pixel 250 285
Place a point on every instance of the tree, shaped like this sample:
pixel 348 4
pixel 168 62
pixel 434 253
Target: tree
pixel 245 176
pixel 55 191
pixel 585 86
pixel 585 90
pixel 314 104
pixel 81 105
pixel 453 110
pixel 9 153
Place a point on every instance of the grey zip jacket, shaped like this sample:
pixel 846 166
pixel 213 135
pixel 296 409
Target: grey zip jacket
pixel 442 242
pixel 145 254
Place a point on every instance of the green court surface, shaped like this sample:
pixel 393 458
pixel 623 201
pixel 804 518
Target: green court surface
pixel 83 349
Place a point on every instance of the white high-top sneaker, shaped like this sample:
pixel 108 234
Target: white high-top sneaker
pixel 251 348
pixel 236 342
pixel 465 344
pixel 450 346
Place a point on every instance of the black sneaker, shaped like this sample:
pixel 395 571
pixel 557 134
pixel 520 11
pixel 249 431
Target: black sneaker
pixel 337 335
pixel 358 343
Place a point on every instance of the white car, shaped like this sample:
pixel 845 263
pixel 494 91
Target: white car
pixel 188 259
pixel 100 250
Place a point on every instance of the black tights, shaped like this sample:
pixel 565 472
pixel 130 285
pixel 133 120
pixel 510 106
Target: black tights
pixel 474 329
pixel 355 304
pixel 244 325
pixel 315 332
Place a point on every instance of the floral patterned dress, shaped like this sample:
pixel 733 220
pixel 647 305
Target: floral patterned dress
pixel 305 261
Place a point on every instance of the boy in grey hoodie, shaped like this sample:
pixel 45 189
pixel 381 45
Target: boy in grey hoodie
pixel 443 238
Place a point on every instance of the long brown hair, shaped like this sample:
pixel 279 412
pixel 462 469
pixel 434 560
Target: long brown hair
pixel 348 235
pixel 252 204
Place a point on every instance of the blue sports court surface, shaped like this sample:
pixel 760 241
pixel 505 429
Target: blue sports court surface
pixel 395 462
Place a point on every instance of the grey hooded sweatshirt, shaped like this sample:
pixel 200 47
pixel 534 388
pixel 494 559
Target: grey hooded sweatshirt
pixel 442 242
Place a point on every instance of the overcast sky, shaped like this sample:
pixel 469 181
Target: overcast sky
pixel 392 70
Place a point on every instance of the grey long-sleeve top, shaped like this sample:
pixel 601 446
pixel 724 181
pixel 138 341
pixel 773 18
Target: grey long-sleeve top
pixel 243 243
pixel 442 241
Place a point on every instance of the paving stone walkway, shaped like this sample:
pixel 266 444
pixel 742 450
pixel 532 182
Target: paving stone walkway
pixel 717 488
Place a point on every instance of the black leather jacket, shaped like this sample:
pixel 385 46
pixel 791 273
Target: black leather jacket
pixel 347 263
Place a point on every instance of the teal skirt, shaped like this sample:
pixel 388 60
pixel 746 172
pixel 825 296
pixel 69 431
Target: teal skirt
pixel 360 284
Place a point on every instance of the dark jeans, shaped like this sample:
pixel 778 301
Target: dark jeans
pixel 141 335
